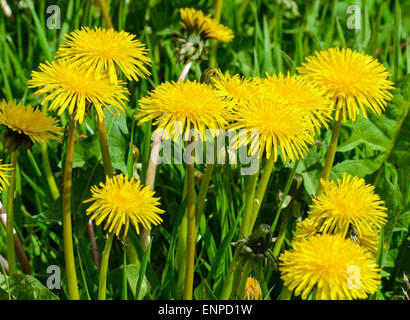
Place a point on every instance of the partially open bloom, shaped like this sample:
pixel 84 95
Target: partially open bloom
pixel 106 49
pixel 352 80
pixel 26 125
pixel 253 290
pixel 296 90
pixel 120 201
pixel 179 107
pixel 76 88
pixel 337 268
pixel 196 22
pixel 271 123
pixel 4 168
pixel 346 205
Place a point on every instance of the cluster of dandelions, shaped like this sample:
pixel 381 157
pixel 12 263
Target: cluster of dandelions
pixel 334 249
pixel 280 115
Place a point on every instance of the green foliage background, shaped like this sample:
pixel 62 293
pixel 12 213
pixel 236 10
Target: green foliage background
pixel 269 37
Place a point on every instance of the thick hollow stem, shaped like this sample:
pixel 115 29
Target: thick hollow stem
pixel 229 280
pixel 214 44
pixel 330 156
pixel 105 152
pixel 203 189
pixel 49 173
pixel 285 193
pixel 67 228
pixel 247 211
pixel 11 253
pixel 152 164
pixel 102 285
pixel 260 192
pixel 191 231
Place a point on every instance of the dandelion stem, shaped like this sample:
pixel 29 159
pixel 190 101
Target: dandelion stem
pixel 214 44
pixel 191 228
pixel 246 216
pixel 152 164
pixel 67 228
pixel 11 253
pixel 260 192
pixel 102 285
pixel 105 152
pixel 228 283
pixel 240 290
pixel 203 189
pixel 285 193
pixel 285 294
pixel 49 173
pixel 330 157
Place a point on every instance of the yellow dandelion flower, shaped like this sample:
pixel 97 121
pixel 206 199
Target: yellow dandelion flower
pixel 335 267
pixel 352 80
pixel 270 122
pixel 303 94
pixel 178 107
pixel 368 240
pixel 305 228
pixel 106 49
pixel 235 88
pixel 347 202
pixel 26 125
pixel 4 182
pixel 253 290
pixel 208 28
pixel 120 201
pixel 73 87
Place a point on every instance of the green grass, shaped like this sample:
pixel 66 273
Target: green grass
pixel 268 38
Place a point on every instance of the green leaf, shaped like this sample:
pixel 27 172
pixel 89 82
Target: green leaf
pixel 204 292
pixel 86 152
pixel 133 271
pixel 25 287
pixel 117 135
pixel 360 168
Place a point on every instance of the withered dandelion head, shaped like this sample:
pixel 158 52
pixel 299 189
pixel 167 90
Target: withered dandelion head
pixel 208 28
pixel 26 125
pixel 179 107
pixel 73 87
pixel 269 122
pixel 296 90
pixel 253 290
pixel 120 201
pixel 106 50
pixel 337 268
pixel 4 169
pixel 352 80
pixel 348 203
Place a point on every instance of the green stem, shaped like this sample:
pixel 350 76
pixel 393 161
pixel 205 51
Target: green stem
pixel 49 173
pixel 203 189
pixel 105 152
pixel 124 275
pixel 331 151
pixel 191 230
pixel 67 229
pixel 242 283
pixel 228 283
pixel 285 193
pixel 244 231
pixel 102 285
pixel 214 44
pixel 260 192
pixel 285 294
pixel 281 237
pixel 11 253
